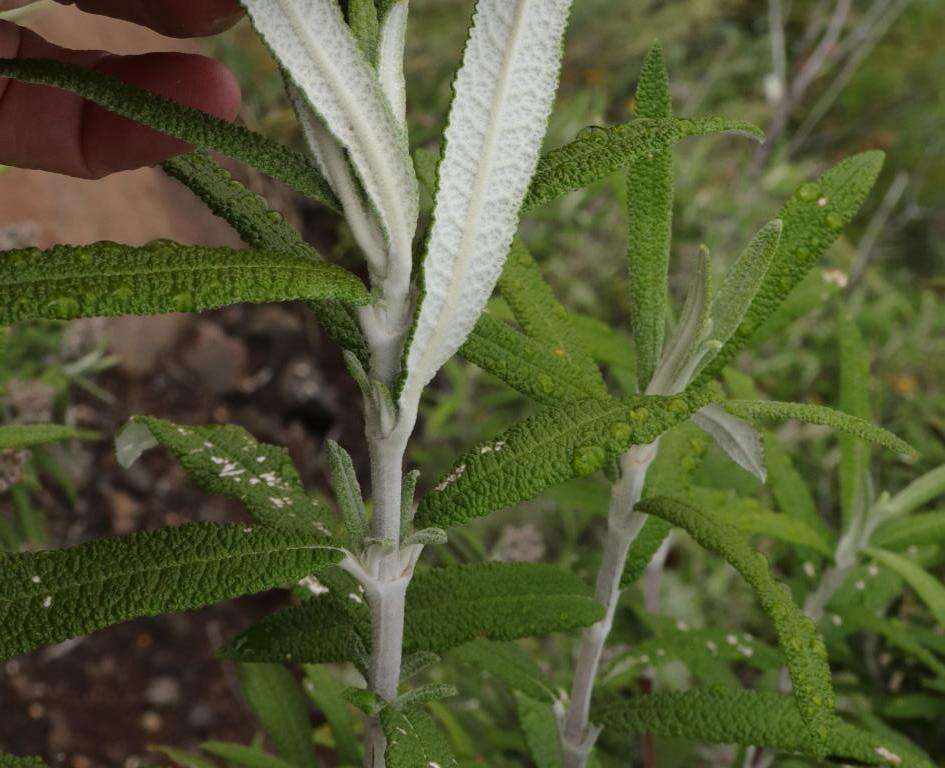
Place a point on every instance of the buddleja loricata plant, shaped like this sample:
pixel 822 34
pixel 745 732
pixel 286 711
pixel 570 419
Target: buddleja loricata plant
pixel 370 605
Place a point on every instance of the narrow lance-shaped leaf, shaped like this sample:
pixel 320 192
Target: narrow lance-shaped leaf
pixel 598 152
pixel 541 315
pixel 812 219
pixel 47 597
pixel 282 709
pixel 526 365
pixel 732 716
pixel 29 435
pixel 540 729
pixel 854 399
pixel 262 228
pixel 413 740
pixel 108 279
pixel 362 18
pixel 788 487
pixel 242 755
pixel 344 482
pixel 510 664
pixel 185 123
pixel 390 59
pixel 927 587
pixel 927 528
pixel 183 758
pixel 803 648
pixel 446 607
pixel 227 460
pixel 328 696
pixel 503 96
pixel 897 633
pixel 920 491
pixel 548 449
pixel 739 440
pixel 818 414
pixel 321 56
pixel 650 222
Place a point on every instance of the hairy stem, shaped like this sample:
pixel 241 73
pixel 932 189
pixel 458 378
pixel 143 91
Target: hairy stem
pixel 623 524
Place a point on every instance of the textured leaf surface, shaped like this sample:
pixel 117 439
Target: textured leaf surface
pixel 503 96
pixel 812 220
pixel 264 229
pixel 927 587
pixel 413 740
pixel 527 365
pixel 282 709
pixel 803 648
pixel 510 664
pixel 28 435
pixel 47 597
pixel 650 222
pixel 745 717
pixel 540 730
pixel 927 528
pixel 242 755
pixel 598 152
pixel 328 696
pixel 542 316
pixel 548 449
pixel 106 279
pixel 227 460
pixel 344 482
pixel 446 607
pixel 321 56
pixel 185 123
pixel 749 516
pixel 818 414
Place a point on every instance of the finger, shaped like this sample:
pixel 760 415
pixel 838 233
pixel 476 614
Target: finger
pixel 53 130
pixel 176 18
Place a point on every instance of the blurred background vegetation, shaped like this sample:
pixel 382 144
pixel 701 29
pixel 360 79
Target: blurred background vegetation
pixel 825 79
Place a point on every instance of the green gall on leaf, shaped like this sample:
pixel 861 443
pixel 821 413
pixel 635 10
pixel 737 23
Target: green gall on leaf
pixel 175 119
pixel 413 740
pixel 227 460
pixel 803 648
pixel 545 450
pixel 47 597
pixel 594 155
pixel 109 279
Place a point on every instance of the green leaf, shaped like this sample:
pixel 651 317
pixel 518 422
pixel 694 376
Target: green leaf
pixel 914 706
pixel 897 633
pixel 9 761
pixel 282 709
pixel 413 740
pixel 362 18
pixel 789 489
pixel 803 648
pixel 609 347
pixel 15 436
pixel 328 695
pixel 644 547
pixel 527 365
pixel 542 316
pixel 510 664
pixel 818 414
pixel 183 758
pixel 548 449
pixel 262 228
pixel 749 516
pixel 598 152
pixel 812 219
pixel 926 586
pixel 170 117
pixel 108 279
pixel 47 597
pixel 732 716
pixel 227 460
pixel 650 222
pixel 854 399
pixel 242 755
pixel 445 607
pixel 540 730
pixel 741 283
pixel 344 482
pixel 920 491
pixel 927 528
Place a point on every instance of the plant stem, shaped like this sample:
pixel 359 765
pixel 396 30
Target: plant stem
pixel 623 524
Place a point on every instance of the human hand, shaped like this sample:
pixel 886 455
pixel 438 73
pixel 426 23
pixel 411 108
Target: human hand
pixel 53 130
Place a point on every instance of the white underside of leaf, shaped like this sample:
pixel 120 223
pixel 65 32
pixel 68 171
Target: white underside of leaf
pixel 739 439
pixel 390 60
pixel 314 44
pixel 504 93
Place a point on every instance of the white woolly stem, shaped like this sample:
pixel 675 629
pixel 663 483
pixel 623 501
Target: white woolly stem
pixel 576 734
